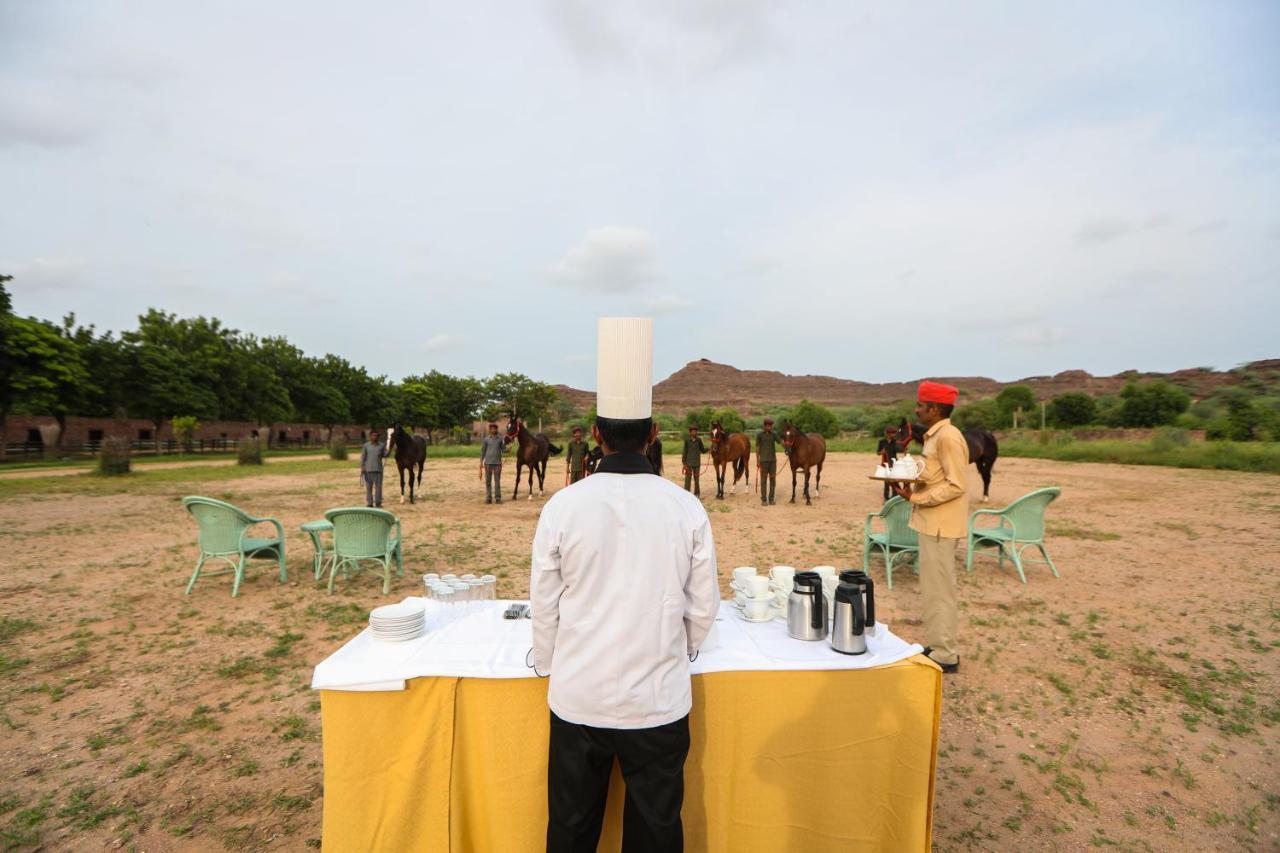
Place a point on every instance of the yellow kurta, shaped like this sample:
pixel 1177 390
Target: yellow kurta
pixel 939 507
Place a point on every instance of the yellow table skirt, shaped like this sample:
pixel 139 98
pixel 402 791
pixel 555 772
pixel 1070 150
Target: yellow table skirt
pixel 780 761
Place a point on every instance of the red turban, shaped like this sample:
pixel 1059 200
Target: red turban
pixel 936 392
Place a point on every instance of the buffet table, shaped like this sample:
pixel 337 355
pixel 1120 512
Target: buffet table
pixel 441 743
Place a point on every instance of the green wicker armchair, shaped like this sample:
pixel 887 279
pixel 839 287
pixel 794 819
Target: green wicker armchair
pixel 897 540
pixel 360 535
pixel 1020 525
pixel 224 535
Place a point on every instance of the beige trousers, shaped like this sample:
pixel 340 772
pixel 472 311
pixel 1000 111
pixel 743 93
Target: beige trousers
pixel 938 587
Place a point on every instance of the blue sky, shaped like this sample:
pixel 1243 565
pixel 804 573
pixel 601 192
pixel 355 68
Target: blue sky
pixel 874 191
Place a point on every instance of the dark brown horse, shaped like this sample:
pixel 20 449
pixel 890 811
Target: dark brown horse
pixel 983 448
pixel 729 448
pixel 804 450
pixel 533 451
pixel 410 450
pixel 654 454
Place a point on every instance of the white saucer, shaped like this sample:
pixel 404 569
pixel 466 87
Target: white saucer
pixel 745 618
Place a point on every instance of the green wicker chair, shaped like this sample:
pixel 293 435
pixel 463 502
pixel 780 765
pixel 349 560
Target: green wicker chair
pixel 362 534
pixel 1020 525
pixel 897 540
pixel 224 535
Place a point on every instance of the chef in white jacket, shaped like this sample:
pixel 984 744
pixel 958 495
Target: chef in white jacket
pixel 624 592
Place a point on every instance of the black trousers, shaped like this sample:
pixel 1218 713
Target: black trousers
pixel 652 762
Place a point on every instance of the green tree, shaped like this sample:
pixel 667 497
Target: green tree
pixel 371 400
pixel 729 419
pixel 515 392
pixel 1072 409
pixel 419 405
pixel 812 417
pixel 314 400
pixel 701 418
pixel 185 366
pixel 41 371
pixel 458 399
pixel 1150 404
pixel 1013 398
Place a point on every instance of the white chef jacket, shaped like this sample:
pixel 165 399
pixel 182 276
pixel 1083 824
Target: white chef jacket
pixel 623 590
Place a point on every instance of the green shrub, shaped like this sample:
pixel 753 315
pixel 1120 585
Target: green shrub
pixel 184 430
pixel 1151 404
pixel 115 457
pixel 730 420
pixel 1072 409
pixel 1168 438
pixel 983 414
pixel 811 417
pixel 1015 398
pixel 337 447
pixel 250 452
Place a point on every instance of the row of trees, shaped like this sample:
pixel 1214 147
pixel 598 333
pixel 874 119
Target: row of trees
pixel 195 367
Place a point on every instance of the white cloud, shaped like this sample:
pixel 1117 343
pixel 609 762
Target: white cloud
pixel 658 306
pixel 442 342
pixel 609 260
pixel 1098 231
pixel 1036 336
pixel 675 40
pixel 46 273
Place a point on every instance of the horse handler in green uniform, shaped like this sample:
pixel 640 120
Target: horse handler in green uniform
pixel 575 458
pixel 691 459
pixel 767 461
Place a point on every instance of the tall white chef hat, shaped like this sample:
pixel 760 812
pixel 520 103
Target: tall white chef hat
pixel 624 368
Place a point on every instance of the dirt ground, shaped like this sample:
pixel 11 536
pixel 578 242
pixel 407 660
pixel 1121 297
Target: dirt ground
pixel 1132 703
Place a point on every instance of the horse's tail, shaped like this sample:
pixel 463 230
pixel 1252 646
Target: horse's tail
pixel 552 449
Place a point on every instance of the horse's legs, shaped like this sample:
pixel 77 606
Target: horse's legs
pixel 806 488
pixel 402 483
pixel 984 469
pixel 519 465
pixel 542 473
pixel 532 468
pixel 817 487
pixel 793 484
pixel 410 482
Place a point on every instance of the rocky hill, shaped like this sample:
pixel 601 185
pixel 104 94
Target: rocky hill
pixel 707 383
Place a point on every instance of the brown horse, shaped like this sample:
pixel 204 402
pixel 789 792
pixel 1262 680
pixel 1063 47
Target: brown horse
pixel 411 450
pixel 983 448
pixel 729 448
pixel 533 451
pixel 804 450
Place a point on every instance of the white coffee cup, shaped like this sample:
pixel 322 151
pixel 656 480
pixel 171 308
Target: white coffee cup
pixel 740 598
pixel 758 608
pixel 825 571
pixel 758 586
pixel 742 574
pixel 783 575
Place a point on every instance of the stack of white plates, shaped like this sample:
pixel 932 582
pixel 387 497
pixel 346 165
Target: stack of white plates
pixel 396 623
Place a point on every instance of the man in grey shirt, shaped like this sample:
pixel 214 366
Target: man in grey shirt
pixel 491 464
pixel 371 456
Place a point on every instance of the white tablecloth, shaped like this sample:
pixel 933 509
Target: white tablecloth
pixel 484 645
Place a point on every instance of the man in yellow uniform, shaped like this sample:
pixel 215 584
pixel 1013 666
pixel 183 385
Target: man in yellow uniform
pixel 940 514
